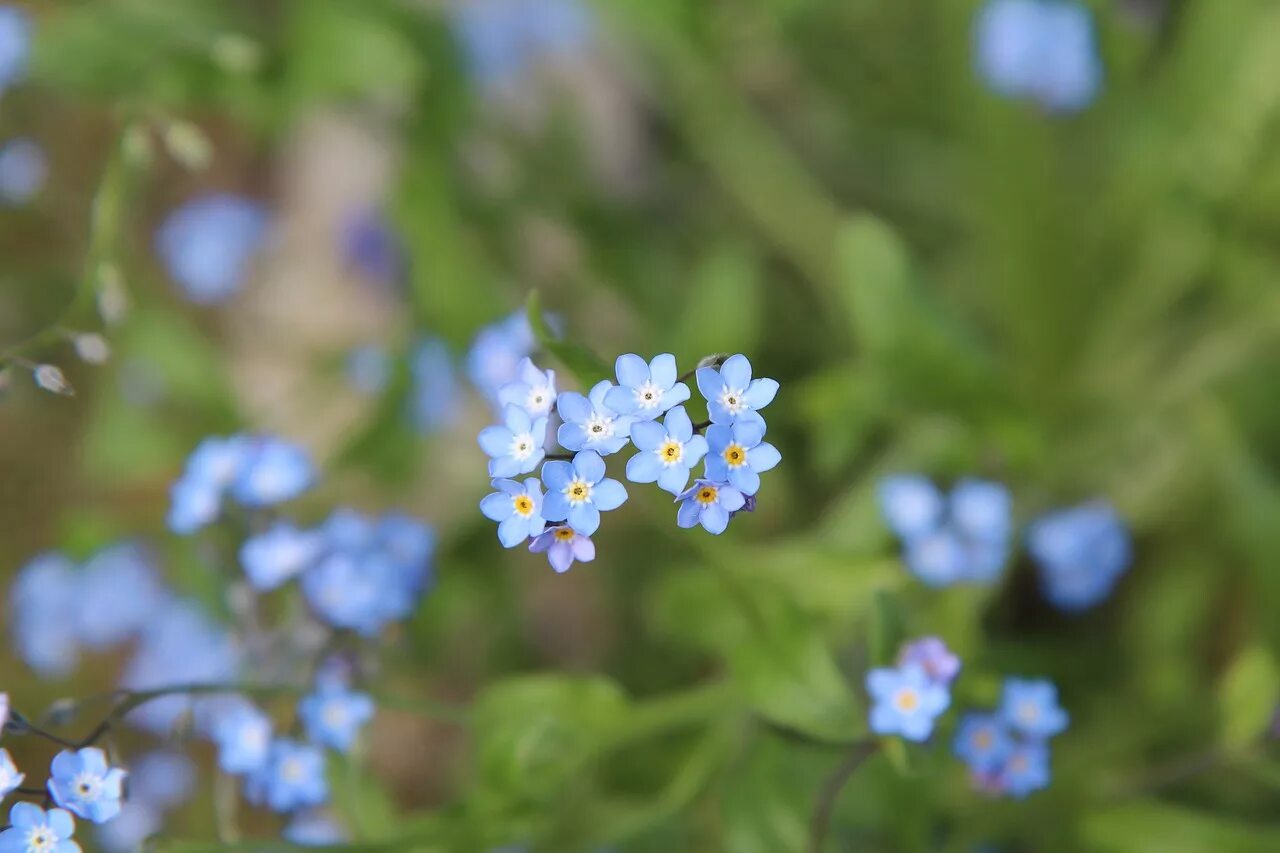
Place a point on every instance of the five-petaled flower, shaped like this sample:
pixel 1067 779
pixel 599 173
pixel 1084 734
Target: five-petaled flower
pixel 291 778
pixel 84 784
pixel 646 390
pixel 907 701
pixel 1031 707
pixel 982 742
pixel 579 491
pixel 590 423
pixel 731 393
pixel 33 830
pixel 563 545
pixel 534 390
pixel 243 736
pixel 514 447
pixel 517 508
pixel 709 504
pixel 667 452
pixel 333 714
pixel 737 454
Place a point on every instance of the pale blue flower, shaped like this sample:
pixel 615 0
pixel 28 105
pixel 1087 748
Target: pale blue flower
pixel 709 504
pixel 243 735
pixel 517 508
pixel 333 714
pixel 23 169
pixel 646 390
pixel 667 452
pixel 435 399
pixel 33 830
pixel 983 742
pixel 293 777
pixel 15 44
pixel 589 422
pixel 515 446
pixel 906 701
pixel 1025 770
pixel 1031 707
pixel 1080 554
pixel 274 471
pixel 83 783
pixel 1043 50
pixel 738 455
pixel 579 491
pixel 10 778
pixel 208 244
pixel 119 592
pixel 731 393
pixel 494 358
pixel 534 390
pixel 279 554
pixel 44 604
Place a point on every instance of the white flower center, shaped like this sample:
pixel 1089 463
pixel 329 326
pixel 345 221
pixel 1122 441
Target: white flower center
pixel 255 737
pixel 335 716
pixel 906 700
pixel 1028 712
pixel 87 787
pixel 731 399
pixel 522 446
pixel 40 839
pixel 599 427
pixel 578 491
pixel 670 452
pixel 539 400
pixel 648 395
pixel 291 770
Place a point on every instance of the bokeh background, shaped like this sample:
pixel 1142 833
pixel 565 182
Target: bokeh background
pixel 1040 253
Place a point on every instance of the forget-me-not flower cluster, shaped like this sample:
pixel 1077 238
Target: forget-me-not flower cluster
pixel 1080 554
pixel 908 698
pixel 208 245
pixel 1007 751
pixel 255 471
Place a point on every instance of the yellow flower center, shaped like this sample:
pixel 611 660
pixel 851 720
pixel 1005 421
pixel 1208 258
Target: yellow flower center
pixel 564 534
pixel 707 495
pixel 523 505
pixel 906 700
pixel 671 451
pixel 735 456
pixel 578 491
pixel 982 739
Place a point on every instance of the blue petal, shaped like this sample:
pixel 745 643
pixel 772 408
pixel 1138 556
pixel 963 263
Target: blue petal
pixel 687 515
pixel 748 431
pixel 709 382
pixel 674 397
pixel 763 457
pixel 672 479
pixel 517 419
pixel 719 436
pixel 26 815
pixel 589 466
pixel 716 469
pixel 736 372
pixel 632 370
pixel 744 480
pixel 644 467
pixel 647 435
pixel 883 720
pixel 620 400
pixel 678 426
pixel 511 487
pixel 556 474
pixel 694 449
pixel 571 436
pixel 505 466
pixel 760 393
pixel 584 518
pixel 573 407
pixel 555 507
pixel 598 392
pixel 731 499
pixel 608 494
pixel 715 519
pixel 662 370
pixel 62 823
pixel 497 507
pixel 513 531
pixel 495 440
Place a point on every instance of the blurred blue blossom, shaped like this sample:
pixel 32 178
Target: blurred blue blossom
pixel 128 831
pixel 1080 553
pixel 517 508
pixel 737 454
pixel 589 422
pixel 293 777
pixel 504 40
pixel 120 590
pixel 333 715
pixel 373 248
pixel 983 742
pixel 709 504
pixel 33 830
pixel 731 393
pixel 1007 752
pixel 963 537
pixel 274 471
pixel 243 736
pixel 43 605
pixel 15 44
pixel 906 701
pixel 646 390
pixel 368 368
pixel 257 470
pixel 496 353
pixel 1025 770
pixel 208 243
pixel 932 655
pixel 563 545
pixel 515 446
pixel 84 784
pixel 315 828
pixel 435 399
pixel 533 390
pixel 10 778
pixel 23 169
pixel 162 778
pixel 579 491
pixel 667 451
pixel 1044 50
pixel 1031 707
pixel 279 554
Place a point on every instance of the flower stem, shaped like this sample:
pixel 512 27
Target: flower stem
pixel 831 788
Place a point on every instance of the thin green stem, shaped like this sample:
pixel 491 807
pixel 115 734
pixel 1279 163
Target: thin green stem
pixel 831 788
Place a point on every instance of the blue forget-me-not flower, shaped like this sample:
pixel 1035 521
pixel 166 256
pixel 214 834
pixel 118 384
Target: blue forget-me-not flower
pixel 208 244
pixel 563 545
pixel 333 714
pixel 667 451
pixel 731 393
pixel 83 783
pixel 983 742
pixel 515 446
pixel 435 398
pixel 243 736
pixel 517 508
pixel 1042 50
pixel 33 830
pixel 906 701
pixel 279 554
pixel 10 778
pixel 737 454
pixel 533 390
pixel 709 504
pixel 23 169
pixel 291 778
pixel 645 391
pixel 958 538
pixel 579 491
pixel 1031 707
pixel 590 423
pixel 1080 554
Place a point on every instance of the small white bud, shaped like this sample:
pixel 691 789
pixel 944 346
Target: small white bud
pixel 92 347
pixel 113 301
pixel 188 145
pixel 50 378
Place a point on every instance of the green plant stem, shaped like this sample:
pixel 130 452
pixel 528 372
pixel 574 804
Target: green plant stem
pixel 831 788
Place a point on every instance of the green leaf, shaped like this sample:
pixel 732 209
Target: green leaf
pixel 1155 827
pixel 588 367
pixel 1248 695
pixel 888 626
pixel 877 283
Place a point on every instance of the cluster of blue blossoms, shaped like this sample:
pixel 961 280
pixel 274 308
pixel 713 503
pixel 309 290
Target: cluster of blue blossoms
pixel 965 537
pixel 1007 751
pixel 601 423
pixel 254 471
pixel 80 782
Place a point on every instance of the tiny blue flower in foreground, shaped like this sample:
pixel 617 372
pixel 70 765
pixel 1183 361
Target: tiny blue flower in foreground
pixel 274 471
pixel 435 400
pixel 10 778
pixel 208 244
pixel 667 452
pixel 932 655
pixel 33 830
pixel 709 504
pixel 516 447
pixel 85 785
pixel 646 390
pixel 279 554
pixel 292 778
pixel 23 169
pixel 907 701
pixel 982 742
pixel 334 715
pixel 243 736
pixel 737 453
pixel 731 393
pixel 15 44
pixel 563 545
pixel 533 390
pixel 1080 554
pixel 1031 707
pixel 1026 769
pixel 517 509
pixel 1044 50
pixel 590 424
pixel 315 828
pixel 579 491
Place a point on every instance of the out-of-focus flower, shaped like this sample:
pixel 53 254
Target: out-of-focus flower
pixel 33 830
pixel 162 778
pixel 50 378
pixel 983 742
pixel 207 244
pixel 563 545
pixel 907 701
pixel 515 446
pixel 292 778
pixel 1043 50
pixel 243 736
pixel 963 537
pixel 1007 752
pixel 435 399
pixel 315 828
pixel 279 554
pixel 119 592
pixel 517 508
pixel 1080 553
pixel 579 492
pixel 44 601
pixel 128 831
pixel 333 714
pixel 667 451
pixel 15 44
pixel 933 656
pixel 533 390
pixel 731 393
pixel 645 391
pixel 1025 770
pixel 495 355
pixel 372 247
pixel 709 504
pixel 368 368
pixel 84 784
pixel 23 170
pixel 274 472
pixel 589 423
pixel 258 471
pixel 504 40
pixel 1031 707
pixel 737 454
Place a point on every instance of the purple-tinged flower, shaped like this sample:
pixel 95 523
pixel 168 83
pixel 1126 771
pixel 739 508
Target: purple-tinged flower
pixel 645 391
pixel 590 423
pixel 579 491
pixel 33 830
pixel 373 248
pixel 534 390
pixel 563 545
pixel 983 742
pixel 1031 707
pixel 737 454
pixel 907 701
pixel 514 447
pixel 931 654
pixel 731 393
pixel 667 451
pixel 83 783
pixel 517 508
pixel 208 244
pixel 709 504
